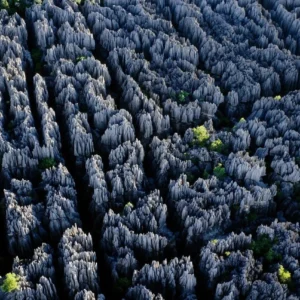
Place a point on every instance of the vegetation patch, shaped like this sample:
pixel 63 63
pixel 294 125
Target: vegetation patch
pixel 284 275
pixel 201 135
pixel 262 247
pixel 182 96
pixel 46 163
pixel 10 283
pixel 219 171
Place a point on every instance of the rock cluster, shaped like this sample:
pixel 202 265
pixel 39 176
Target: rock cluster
pixel 150 149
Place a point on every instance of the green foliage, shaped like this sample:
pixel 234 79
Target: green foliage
pixel 284 275
pixel 217 146
pixel 4 4
pixel 10 283
pixel 262 247
pixel 219 171
pixel 17 6
pixel 272 256
pixel 214 242
pixel 227 253
pixel 186 156
pixel 200 135
pixel 46 163
pixel 80 58
pixel 278 97
pixel 182 95
pixel 129 204
pixel 242 120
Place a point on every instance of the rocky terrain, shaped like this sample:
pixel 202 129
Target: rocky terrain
pixel 150 149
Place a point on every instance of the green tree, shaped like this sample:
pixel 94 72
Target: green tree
pixel 4 4
pixel 10 283
pixel 46 163
pixel 284 275
pixel 272 256
pixel 214 242
pixel 262 247
pixel 182 95
pixel 219 171
pixel 129 204
pixel 80 58
pixel 217 146
pixel 201 135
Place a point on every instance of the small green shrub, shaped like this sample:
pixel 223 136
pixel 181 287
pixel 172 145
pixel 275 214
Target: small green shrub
pixel 272 256
pixel 278 97
pixel 262 245
pixel 284 275
pixel 129 204
pixel 182 95
pixel 217 146
pixel 200 135
pixel 227 253
pixel 219 171
pixel 242 120
pixel 46 163
pixel 17 6
pixel 214 242
pixel 4 4
pixel 10 283
pixel 186 156
pixel 80 58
